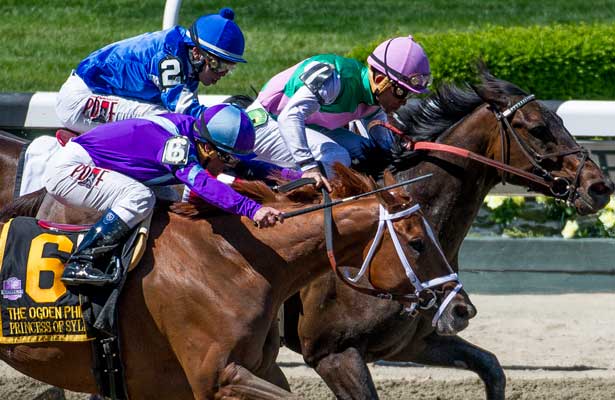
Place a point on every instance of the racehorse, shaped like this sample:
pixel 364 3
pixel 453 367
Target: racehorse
pixel 12 147
pixel 531 138
pixel 197 315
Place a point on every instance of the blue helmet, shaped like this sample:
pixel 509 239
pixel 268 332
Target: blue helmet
pixel 219 35
pixel 227 127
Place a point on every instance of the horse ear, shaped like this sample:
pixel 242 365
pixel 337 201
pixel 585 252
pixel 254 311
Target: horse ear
pixel 386 199
pixel 388 178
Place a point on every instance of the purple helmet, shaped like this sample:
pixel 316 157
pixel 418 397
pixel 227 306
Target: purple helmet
pixel 227 127
pixel 404 62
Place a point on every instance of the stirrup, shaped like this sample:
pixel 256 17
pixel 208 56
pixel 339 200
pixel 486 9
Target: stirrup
pixel 82 277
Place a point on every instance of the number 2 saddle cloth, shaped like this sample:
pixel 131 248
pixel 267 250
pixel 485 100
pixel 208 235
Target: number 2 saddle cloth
pixel 35 306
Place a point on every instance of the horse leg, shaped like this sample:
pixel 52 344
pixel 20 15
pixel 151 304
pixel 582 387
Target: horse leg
pixel 53 393
pixel 453 351
pixel 237 383
pixel 347 375
pixel 273 373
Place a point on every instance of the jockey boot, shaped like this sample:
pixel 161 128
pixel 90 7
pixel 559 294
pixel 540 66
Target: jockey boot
pixel 100 239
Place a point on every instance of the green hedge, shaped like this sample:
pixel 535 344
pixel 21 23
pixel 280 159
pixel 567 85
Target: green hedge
pixel 554 62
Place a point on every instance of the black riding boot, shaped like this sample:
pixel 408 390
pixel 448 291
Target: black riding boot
pixel 101 238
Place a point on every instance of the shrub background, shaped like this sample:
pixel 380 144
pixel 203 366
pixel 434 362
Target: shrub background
pixel 43 40
pixel 554 62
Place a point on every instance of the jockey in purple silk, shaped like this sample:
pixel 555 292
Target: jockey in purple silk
pixel 111 168
pixel 150 74
pixel 313 102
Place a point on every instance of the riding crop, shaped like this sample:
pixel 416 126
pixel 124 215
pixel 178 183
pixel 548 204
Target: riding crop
pixel 306 210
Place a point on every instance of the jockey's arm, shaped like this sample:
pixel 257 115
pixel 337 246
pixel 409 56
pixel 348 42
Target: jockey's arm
pixel 215 192
pixel 182 100
pixel 262 170
pixel 378 134
pixel 292 119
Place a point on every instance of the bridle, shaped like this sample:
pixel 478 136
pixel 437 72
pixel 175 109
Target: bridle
pixel 424 296
pixel 560 187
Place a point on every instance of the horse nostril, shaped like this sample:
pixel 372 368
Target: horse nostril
pixel 461 311
pixel 601 188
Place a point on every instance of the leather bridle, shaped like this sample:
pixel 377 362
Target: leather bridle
pixel 425 295
pixel 560 187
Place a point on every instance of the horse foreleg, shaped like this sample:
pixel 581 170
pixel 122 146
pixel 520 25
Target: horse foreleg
pixel 238 383
pixel 347 375
pixel 453 351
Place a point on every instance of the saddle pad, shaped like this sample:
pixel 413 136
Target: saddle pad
pixel 35 305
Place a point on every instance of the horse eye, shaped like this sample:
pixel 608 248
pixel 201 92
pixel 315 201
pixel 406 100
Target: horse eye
pixel 417 244
pixel 539 131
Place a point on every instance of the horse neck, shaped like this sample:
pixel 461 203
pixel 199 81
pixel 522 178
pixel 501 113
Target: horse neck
pixel 305 250
pixel 452 197
pixel 282 259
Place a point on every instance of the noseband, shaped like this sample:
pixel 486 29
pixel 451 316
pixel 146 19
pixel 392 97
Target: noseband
pixel 423 297
pixel 560 187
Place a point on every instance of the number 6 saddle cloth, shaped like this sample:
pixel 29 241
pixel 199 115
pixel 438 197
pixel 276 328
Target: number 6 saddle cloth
pixel 35 306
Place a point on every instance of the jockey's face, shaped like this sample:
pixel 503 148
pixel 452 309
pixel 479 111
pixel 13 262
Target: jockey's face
pixel 214 68
pixel 390 101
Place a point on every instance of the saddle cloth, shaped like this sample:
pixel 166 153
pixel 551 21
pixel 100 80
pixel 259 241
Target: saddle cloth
pixel 35 305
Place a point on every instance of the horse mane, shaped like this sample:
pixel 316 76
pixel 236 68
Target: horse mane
pixel 27 205
pixel 347 182
pixel 240 100
pixel 450 103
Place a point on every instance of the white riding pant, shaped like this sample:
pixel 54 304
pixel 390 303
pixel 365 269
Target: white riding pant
pixel 330 147
pixel 80 110
pixel 73 179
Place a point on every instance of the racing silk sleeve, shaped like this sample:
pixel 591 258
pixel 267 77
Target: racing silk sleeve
pixel 262 170
pixel 183 100
pixel 215 192
pixel 300 106
pixel 378 134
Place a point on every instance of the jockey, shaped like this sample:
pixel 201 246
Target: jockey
pixel 111 167
pixel 151 74
pixel 312 103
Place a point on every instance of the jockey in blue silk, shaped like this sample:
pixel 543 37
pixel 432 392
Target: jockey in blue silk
pixel 111 168
pixel 152 73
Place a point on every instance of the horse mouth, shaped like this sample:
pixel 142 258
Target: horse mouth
pixel 593 196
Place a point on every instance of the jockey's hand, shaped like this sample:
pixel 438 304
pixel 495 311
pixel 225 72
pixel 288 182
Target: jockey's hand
pixel 267 216
pixel 315 174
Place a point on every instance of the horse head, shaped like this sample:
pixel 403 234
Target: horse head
pixel 410 260
pixel 534 138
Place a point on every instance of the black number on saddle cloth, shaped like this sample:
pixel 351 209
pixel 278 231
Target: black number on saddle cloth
pixel 36 306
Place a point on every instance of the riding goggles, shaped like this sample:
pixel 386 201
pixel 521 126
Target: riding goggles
pixel 217 65
pixel 418 82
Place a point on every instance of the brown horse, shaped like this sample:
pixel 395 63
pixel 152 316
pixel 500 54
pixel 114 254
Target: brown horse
pixel 338 348
pixel 11 147
pixel 204 298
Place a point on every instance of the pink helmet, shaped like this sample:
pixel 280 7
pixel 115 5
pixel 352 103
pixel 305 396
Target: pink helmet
pixel 404 62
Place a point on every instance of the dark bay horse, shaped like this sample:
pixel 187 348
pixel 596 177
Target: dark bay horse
pixel 371 329
pixel 197 315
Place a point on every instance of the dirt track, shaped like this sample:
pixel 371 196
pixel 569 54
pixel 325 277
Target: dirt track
pixel 552 347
